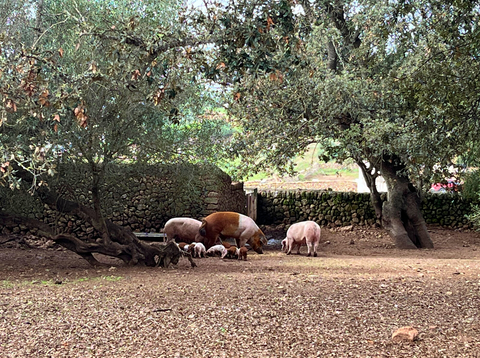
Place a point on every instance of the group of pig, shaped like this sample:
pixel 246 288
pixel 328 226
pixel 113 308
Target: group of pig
pixel 208 236
pixel 224 250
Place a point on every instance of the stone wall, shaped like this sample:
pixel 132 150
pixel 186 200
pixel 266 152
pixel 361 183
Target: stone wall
pixel 145 197
pixel 138 196
pixel 342 209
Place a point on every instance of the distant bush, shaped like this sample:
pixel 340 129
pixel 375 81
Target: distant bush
pixel 471 190
pixel 474 217
pixel 471 186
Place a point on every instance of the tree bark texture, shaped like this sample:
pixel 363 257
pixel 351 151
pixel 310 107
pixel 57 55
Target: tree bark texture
pixel 401 214
pixel 121 242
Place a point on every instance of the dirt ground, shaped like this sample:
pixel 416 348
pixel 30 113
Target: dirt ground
pixel 345 303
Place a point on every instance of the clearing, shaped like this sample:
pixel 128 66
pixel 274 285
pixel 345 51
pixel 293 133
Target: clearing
pixel 345 303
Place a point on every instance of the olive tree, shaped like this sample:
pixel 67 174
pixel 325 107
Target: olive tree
pixel 392 84
pixel 80 84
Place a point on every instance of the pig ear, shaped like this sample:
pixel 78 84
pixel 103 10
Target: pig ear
pixel 264 241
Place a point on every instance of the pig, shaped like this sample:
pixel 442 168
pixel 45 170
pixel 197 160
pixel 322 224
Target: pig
pixel 226 244
pixel 231 252
pixel 305 232
pixel 182 246
pixel 230 224
pixel 190 248
pixel 199 250
pixel 217 249
pixel 242 253
pixel 183 229
pixel 285 247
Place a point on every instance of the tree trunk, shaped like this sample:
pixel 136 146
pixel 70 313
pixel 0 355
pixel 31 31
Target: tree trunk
pixel 154 255
pixel 98 171
pixel 371 174
pixel 115 240
pixel 121 242
pixel 38 20
pixel 401 214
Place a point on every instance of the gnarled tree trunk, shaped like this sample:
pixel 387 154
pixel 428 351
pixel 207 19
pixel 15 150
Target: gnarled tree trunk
pixel 149 255
pixel 115 241
pixel 401 214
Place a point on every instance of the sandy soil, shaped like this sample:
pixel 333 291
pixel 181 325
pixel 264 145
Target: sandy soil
pixel 345 303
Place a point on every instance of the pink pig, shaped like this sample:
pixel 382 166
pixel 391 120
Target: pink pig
pixel 183 229
pixel 305 232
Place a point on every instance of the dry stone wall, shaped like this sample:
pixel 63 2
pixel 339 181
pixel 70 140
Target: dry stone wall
pixel 145 197
pixel 142 197
pixel 329 208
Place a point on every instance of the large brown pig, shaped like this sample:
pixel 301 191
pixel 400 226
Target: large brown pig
pixel 183 229
pixel 305 232
pixel 229 224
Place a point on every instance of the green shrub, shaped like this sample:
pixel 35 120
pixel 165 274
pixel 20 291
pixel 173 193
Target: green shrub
pixel 474 217
pixel 471 190
pixel 471 186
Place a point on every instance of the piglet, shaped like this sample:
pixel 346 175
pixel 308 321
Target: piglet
pixel 217 249
pixel 199 250
pixel 242 253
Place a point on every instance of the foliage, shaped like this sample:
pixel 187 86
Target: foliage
pixel 474 217
pixel 471 185
pixel 77 89
pixel 404 82
pixel 99 82
pixel 471 190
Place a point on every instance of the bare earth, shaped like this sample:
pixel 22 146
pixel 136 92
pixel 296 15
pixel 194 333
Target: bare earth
pixel 345 303
pixel 319 182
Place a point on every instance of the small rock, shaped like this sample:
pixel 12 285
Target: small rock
pixel 405 334
pixel 352 242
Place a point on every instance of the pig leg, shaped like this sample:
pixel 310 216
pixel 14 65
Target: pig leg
pixel 315 246
pixel 289 246
pixel 309 247
pixel 298 248
pixel 242 239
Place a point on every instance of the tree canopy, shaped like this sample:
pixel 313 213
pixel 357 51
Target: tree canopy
pixel 391 84
pixel 76 85
pixel 363 77
pixel 79 84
